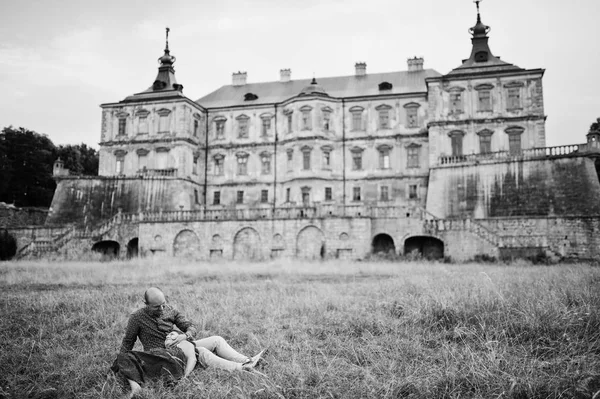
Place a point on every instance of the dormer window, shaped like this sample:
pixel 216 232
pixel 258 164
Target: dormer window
pixel 385 86
pixel 250 97
pixel 481 56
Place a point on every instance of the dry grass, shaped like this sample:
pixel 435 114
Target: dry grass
pixel 335 329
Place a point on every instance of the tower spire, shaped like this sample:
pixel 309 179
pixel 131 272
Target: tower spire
pixel 167 39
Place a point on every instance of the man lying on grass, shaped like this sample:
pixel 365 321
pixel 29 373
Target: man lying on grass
pixel 176 356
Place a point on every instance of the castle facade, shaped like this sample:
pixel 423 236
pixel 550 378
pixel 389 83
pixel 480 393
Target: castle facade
pixel 449 164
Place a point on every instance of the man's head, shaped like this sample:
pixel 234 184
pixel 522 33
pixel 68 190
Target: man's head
pixel 155 301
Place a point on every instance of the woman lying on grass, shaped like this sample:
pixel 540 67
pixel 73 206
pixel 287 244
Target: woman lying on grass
pixel 173 362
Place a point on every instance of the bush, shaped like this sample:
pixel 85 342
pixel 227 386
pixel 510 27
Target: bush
pixel 8 245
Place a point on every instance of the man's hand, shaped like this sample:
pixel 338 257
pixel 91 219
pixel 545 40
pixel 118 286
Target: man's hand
pixel 180 338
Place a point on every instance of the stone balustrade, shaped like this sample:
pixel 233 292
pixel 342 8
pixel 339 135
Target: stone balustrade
pixel 530 153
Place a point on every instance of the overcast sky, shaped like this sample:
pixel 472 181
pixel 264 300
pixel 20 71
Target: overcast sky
pixel 59 60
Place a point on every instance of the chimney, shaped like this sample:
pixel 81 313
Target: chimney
pixel 285 75
pixel 239 78
pixel 415 64
pixel 361 68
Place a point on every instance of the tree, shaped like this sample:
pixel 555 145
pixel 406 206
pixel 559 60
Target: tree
pixel 26 160
pixel 79 159
pixel 8 245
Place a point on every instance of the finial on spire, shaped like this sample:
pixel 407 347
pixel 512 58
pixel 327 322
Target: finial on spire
pixel 478 15
pixel 167 41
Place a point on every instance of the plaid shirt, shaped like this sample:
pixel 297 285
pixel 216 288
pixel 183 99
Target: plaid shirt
pixel 152 331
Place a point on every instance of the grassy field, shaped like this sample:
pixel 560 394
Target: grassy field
pixel 334 329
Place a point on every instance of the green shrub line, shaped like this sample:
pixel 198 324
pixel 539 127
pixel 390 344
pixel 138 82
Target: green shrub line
pixel 410 329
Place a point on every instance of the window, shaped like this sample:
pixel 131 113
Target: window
pixel 456 140
pixel 195 166
pixel 514 139
pixel 357 159
pixel 412 159
pixel 242 126
pixel 196 197
pixel 142 124
pixel 219 163
pixel 142 159
pixel 289 122
pixel 412 114
pixel 264 196
pixel 306 118
pixel 290 160
pixel 326 159
pixel 242 161
pixel 216 198
pixel 384 194
pixel 456 102
pixel 514 98
pixel 326 119
pixel 288 194
pixel 413 191
pixel 357 123
pixel 196 126
pixel 120 164
pixel 384 116
pixel 162 158
pixel 328 195
pixel 240 197
pixel 266 126
pixel 220 128
pixel 305 195
pixel 122 126
pixel 384 157
pixel 485 141
pixel 164 120
pixel 356 194
pixel 265 160
pixel 306 158
pixel 485 100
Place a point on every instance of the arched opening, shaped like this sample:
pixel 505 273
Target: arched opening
pixel 132 248
pixel 310 243
pixel 427 247
pixel 186 245
pixel 246 244
pixel 108 249
pixel 8 245
pixel 383 244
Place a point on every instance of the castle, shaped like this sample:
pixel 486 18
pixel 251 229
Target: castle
pixel 452 165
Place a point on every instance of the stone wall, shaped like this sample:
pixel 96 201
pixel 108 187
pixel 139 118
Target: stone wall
pixel 260 239
pixel 91 200
pixel 543 187
pixel 11 217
